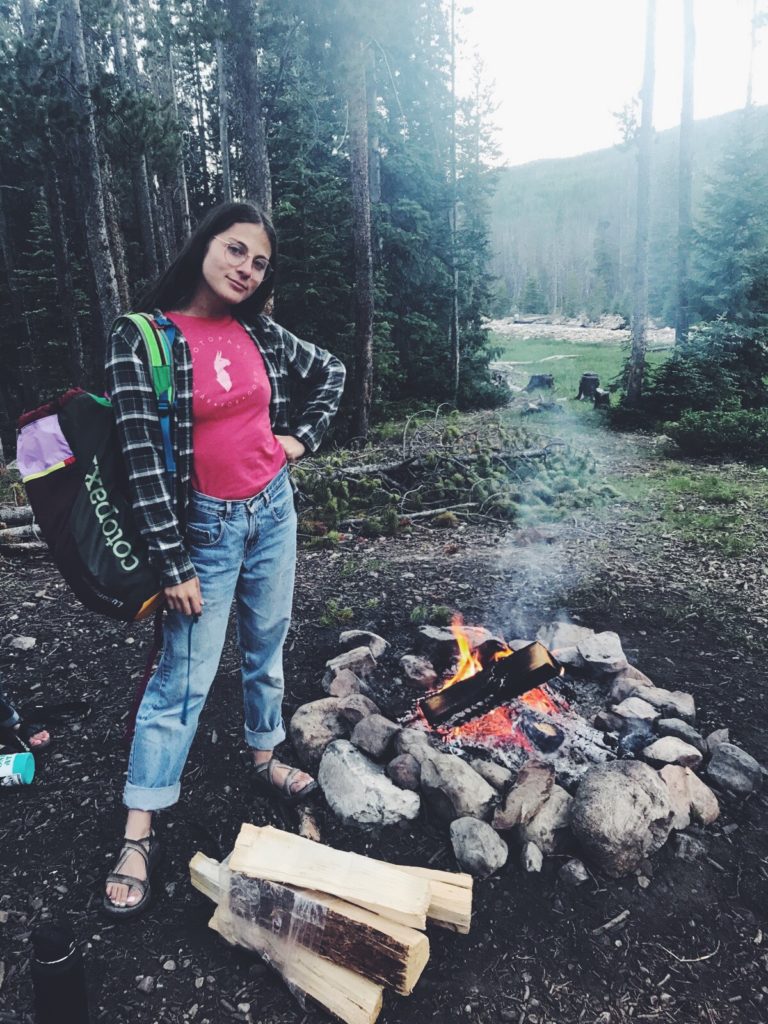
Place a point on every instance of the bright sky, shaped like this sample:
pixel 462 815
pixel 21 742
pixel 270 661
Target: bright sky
pixel 561 68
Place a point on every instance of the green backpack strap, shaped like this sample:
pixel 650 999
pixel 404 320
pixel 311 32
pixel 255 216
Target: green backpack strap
pixel 158 334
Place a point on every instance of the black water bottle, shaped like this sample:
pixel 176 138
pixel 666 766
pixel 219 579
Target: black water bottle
pixel 58 975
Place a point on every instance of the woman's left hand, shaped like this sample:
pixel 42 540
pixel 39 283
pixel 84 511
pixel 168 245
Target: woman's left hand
pixel 292 447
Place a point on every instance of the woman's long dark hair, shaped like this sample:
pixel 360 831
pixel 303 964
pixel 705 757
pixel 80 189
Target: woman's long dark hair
pixel 174 288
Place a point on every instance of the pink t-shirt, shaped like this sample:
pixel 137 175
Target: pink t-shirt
pixel 235 452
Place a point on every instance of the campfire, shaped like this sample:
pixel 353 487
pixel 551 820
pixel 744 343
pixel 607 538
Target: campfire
pixel 553 744
pixel 512 703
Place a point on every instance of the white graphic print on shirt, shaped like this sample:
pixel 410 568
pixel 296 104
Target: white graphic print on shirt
pixel 220 365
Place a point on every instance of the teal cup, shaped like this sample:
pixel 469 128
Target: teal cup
pixel 16 769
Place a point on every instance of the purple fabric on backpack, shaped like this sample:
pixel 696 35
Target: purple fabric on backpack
pixel 41 445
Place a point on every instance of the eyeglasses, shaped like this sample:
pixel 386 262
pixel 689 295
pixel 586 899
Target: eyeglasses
pixel 236 255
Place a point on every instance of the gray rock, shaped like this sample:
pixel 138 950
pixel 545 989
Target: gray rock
pixel 635 708
pixel 439 644
pixel 417 743
pixel 629 682
pixel 704 806
pixel 146 984
pixel 314 726
pixel 734 770
pixel 715 738
pixel 359 660
pixel 532 788
pixel 573 872
pixel 356 707
pixel 454 790
pixel 671 750
pixel 689 848
pixel 359 792
pixel 672 703
pixel 405 771
pixel 519 644
pixel 569 656
pixel 374 735
pixel 418 671
pixel 675 780
pixel 494 774
pixel 621 813
pixel 350 638
pixel 477 847
pixel 531 858
pixel 548 827
pixel 683 731
pixel 607 721
pixel 345 684
pixel 557 635
pixel 23 643
pixel 694 798
pixel 602 653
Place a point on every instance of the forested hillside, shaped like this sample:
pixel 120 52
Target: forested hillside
pixel 563 230
pixel 121 122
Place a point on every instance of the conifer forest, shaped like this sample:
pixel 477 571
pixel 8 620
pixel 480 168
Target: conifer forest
pixel 123 121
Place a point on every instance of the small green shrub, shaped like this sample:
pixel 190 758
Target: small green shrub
pixel 741 434
pixel 335 613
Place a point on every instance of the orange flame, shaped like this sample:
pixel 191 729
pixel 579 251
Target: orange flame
pixel 469 663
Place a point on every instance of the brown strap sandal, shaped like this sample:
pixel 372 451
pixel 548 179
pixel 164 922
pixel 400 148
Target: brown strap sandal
pixel 267 783
pixel 149 850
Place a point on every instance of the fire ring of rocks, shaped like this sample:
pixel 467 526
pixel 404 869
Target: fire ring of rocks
pixel 551 746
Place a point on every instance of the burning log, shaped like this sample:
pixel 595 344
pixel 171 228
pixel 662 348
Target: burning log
pixel 382 950
pixel 510 676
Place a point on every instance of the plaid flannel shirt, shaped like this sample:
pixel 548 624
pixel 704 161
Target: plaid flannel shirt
pixel 288 360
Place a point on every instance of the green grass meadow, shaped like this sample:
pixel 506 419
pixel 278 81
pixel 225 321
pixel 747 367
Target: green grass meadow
pixel 539 355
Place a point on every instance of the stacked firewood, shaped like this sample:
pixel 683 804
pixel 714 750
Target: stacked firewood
pixel 338 926
pixel 17 530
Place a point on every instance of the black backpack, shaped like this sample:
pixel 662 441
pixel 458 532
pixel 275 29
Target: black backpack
pixel 69 456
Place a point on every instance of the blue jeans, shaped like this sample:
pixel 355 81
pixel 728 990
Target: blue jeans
pixel 242 549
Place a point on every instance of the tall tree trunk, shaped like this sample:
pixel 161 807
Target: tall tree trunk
pixel 182 218
pixel 62 256
pixel 226 181
pixel 455 339
pixel 115 232
pixel 374 149
pixel 249 107
pixel 752 48
pixel 200 114
pixel 685 182
pixel 645 153
pixel 361 228
pixel 97 239
pixel 140 175
pixel 28 378
pixel 28 19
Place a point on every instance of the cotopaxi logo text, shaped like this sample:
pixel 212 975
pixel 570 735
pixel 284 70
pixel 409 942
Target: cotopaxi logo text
pixel 106 513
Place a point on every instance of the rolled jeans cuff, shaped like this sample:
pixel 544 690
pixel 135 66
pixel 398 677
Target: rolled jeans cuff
pixel 9 723
pixel 265 740
pixel 144 798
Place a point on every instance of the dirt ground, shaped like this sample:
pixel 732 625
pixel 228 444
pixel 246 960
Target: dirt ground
pixel 695 944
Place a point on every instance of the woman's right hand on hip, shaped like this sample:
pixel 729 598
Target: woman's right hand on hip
pixel 185 597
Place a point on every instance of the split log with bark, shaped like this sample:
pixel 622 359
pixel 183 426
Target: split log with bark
pixel 338 926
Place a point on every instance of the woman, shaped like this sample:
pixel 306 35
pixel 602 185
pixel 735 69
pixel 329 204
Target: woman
pixel 225 525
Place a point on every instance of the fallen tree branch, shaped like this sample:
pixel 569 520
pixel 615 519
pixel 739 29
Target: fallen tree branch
pixel 16 534
pixel 15 515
